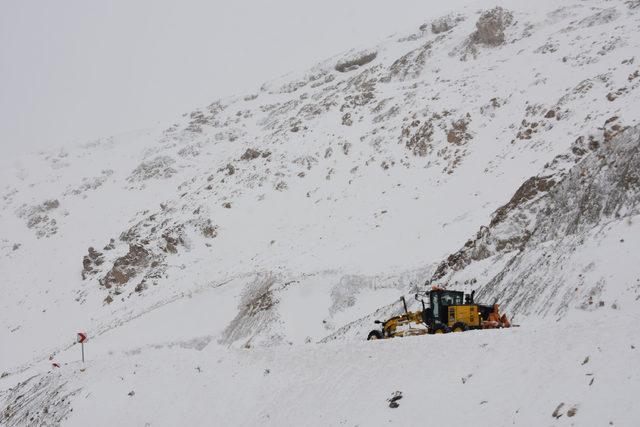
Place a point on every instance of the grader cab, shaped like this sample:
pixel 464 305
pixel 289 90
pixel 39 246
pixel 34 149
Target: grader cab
pixel 443 311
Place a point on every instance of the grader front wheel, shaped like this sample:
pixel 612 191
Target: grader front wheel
pixel 374 335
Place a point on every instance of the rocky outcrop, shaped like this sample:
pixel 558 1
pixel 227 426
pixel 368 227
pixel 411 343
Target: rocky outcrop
pixel 445 23
pixel 127 267
pixel 548 219
pixel 491 26
pixel 355 61
pixel 490 32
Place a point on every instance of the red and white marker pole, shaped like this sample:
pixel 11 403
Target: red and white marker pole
pixel 82 337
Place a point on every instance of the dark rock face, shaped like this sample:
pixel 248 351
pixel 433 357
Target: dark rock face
pixel 127 266
pixel 531 188
pixel 355 62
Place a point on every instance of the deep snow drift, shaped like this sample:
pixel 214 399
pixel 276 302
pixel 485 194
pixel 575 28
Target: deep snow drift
pixel 228 268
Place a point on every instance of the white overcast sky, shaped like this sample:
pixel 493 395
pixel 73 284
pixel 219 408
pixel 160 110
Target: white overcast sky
pixel 71 70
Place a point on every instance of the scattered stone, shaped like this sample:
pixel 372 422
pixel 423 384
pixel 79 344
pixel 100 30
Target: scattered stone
pixel 173 238
pixel 458 134
pixel 131 393
pixel 250 154
pixel 140 286
pixel 556 413
pixel 157 168
pixel 90 261
pixel 417 137
pixel 208 229
pixel 38 217
pixel 393 400
pixel 110 246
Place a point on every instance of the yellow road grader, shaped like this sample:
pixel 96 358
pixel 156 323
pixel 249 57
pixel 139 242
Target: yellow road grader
pixel 443 311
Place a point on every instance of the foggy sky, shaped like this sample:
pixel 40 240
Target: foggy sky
pixel 72 70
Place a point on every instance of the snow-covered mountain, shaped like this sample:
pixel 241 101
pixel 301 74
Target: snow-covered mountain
pixel 229 264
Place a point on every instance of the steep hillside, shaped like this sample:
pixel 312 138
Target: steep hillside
pixel 493 149
pixel 563 241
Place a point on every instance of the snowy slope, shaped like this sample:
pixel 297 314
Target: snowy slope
pixel 490 149
pixel 497 377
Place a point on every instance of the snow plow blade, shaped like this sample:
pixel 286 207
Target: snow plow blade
pixel 495 320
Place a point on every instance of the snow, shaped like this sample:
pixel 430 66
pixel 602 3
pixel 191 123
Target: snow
pixel 259 281
pixel 511 376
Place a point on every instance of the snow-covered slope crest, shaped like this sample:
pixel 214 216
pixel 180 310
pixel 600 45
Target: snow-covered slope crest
pixel 299 213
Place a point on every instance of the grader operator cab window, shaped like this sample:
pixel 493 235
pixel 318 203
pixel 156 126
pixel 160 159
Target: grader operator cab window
pixel 441 299
pixel 451 298
pixel 435 304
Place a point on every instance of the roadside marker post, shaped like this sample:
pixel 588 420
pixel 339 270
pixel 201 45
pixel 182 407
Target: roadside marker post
pixel 82 337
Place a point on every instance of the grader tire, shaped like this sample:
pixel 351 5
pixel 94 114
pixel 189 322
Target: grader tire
pixel 441 329
pixel 374 335
pixel 459 327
